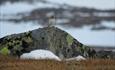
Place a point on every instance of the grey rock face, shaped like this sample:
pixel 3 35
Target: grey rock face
pixel 50 38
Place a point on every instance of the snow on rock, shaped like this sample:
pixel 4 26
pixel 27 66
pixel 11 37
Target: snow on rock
pixel 40 54
pixel 78 58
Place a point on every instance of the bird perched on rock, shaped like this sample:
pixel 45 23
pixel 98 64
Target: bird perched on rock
pixel 52 21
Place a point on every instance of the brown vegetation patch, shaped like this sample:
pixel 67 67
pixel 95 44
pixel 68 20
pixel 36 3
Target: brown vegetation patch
pixel 10 63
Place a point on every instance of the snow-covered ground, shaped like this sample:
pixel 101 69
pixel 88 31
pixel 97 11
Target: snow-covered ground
pixel 78 58
pixel 46 54
pixel 108 24
pixel 104 14
pixel 40 54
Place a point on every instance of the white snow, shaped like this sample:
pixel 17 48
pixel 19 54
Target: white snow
pixel 102 14
pixel 78 58
pixel 110 24
pixel 40 54
pixel 61 21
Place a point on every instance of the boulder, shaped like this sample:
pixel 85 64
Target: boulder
pixel 52 38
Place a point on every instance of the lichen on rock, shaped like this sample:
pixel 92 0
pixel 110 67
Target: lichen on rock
pixel 52 38
pixel 69 39
pixel 4 51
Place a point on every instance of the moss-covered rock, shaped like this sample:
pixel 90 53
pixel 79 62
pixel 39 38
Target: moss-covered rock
pixel 50 38
pixel 69 39
pixel 5 51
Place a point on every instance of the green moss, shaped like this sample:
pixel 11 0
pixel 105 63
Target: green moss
pixel 4 51
pixel 69 39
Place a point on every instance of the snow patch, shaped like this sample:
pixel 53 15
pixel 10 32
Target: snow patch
pixel 110 24
pixel 102 14
pixel 61 21
pixel 40 54
pixel 78 58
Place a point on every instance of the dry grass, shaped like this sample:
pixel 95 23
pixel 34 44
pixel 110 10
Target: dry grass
pixel 10 63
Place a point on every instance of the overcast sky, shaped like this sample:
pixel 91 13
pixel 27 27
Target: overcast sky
pixel 100 4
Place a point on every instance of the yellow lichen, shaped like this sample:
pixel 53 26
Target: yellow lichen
pixel 69 39
pixel 4 51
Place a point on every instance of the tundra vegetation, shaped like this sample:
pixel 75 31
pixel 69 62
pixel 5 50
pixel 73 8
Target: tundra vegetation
pixel 12 63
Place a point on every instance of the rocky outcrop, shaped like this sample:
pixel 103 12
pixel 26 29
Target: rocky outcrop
pixel 54 39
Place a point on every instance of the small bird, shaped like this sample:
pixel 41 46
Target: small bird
pixel 52 21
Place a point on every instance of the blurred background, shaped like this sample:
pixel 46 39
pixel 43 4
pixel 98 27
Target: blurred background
pixel 92 22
